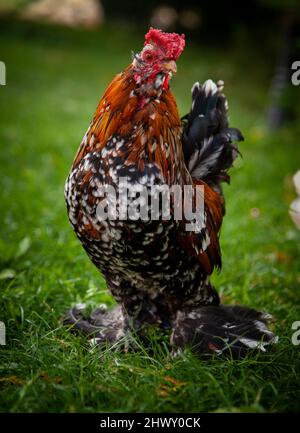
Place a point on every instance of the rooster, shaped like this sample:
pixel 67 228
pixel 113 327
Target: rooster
pixel 157 270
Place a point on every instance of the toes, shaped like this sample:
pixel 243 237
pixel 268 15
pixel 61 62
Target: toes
pixel 105 326
pixel 75 317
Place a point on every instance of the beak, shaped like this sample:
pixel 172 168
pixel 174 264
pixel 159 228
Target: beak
pixel 170 66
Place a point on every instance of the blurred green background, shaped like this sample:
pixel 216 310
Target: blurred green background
pixel 58 63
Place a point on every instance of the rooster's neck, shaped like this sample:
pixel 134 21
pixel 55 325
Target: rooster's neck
pixel 150 126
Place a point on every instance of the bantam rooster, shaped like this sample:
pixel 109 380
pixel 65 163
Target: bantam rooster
pixel 157 270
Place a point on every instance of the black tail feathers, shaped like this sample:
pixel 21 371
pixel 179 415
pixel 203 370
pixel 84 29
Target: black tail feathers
pixel 208 142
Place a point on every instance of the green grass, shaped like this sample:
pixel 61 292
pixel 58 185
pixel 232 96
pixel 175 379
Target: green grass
pixel 54 80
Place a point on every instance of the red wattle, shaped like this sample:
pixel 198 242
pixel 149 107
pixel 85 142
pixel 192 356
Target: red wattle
pixel 166 82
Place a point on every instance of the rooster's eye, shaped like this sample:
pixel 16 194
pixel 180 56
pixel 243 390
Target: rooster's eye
pixel 148 56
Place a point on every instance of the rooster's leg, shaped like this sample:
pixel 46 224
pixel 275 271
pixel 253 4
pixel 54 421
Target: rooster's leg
pixel 228 330
pixel 141 308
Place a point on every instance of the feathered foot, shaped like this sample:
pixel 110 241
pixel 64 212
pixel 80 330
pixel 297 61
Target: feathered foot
pixel 217 330
pixel 102 326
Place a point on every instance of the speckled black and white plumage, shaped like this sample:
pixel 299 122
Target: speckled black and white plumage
pixel 145 268
pixel 156 271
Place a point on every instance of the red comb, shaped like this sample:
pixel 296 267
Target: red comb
pixel 171 43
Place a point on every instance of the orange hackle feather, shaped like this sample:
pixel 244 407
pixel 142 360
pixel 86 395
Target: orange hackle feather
pixel 154 130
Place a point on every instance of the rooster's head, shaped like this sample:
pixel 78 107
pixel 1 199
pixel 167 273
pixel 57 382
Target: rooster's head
pixel 156 63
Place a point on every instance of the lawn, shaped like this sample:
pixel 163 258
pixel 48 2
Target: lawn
pixel 54 80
